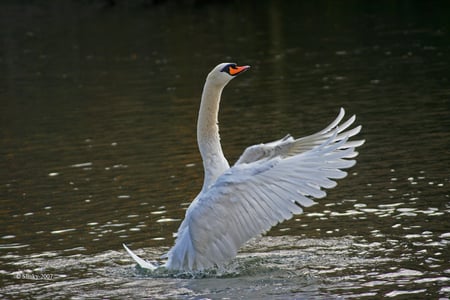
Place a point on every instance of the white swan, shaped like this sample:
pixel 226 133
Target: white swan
pixel 267 185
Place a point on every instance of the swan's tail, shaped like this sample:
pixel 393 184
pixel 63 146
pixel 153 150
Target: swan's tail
pixel 142 263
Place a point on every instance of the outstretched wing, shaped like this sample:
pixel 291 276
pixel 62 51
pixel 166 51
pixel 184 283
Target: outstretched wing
pixel 251 197
pixel 289 146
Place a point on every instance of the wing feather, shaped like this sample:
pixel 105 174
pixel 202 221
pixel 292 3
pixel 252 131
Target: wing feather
pixel 288 146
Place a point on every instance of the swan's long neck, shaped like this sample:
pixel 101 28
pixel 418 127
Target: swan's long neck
pixel 214 162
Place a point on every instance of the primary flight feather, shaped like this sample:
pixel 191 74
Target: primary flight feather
pixel 267 185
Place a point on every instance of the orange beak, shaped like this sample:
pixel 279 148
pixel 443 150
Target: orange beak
pixel 238 69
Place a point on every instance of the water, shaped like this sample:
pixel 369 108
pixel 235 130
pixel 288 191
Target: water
pixel 97 130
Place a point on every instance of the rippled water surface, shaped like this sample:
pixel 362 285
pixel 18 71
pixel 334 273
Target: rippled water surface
pixel 98 146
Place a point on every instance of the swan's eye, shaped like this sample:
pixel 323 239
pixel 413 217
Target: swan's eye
pixel 228 67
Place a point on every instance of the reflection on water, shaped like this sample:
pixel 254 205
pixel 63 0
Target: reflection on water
pixel 98 146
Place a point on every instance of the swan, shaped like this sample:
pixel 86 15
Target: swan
pixel 267 185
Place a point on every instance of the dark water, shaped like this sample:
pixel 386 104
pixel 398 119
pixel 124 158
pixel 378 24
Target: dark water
pixel 98 146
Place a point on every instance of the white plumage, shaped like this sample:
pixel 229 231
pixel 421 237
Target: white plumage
pixel 267 185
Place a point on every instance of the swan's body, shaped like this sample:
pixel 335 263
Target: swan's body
pixel 266 186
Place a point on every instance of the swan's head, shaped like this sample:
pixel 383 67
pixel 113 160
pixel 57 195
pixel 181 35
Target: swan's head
pixel 224 72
